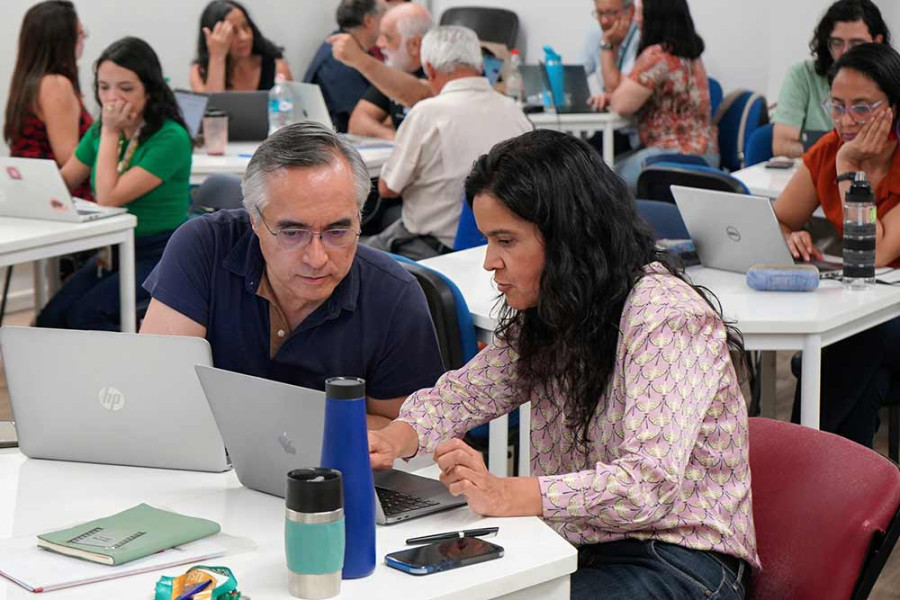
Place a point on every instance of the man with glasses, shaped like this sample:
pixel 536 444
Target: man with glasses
pixel 283 291
pixel 612 47
pixel 846 24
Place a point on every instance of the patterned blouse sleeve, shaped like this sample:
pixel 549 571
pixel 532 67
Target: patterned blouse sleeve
pixel 650 68
pixel 673 365
pixel 460 400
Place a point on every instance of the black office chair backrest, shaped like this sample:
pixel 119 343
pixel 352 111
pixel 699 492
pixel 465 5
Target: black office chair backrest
pixel 442 306
pixel 496 25
pixel 217 192
pixel 655 181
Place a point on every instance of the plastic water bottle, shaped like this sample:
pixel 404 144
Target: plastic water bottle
pixel 515 87
pixel 281 105
pixel 859 234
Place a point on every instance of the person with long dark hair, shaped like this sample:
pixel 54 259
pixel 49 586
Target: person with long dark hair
pixel 45 114
pixel 232 54
pixel 667 90
pixel 138 156
pixel 846 24
pixel 638 428
pixel 864 100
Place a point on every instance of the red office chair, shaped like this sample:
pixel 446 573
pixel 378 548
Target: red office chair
pixel 826 512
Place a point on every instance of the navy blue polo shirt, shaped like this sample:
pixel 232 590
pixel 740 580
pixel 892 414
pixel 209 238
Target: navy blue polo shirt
pixel 342 86
pixel 376 324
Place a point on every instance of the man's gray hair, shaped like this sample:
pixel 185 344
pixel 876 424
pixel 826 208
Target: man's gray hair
pixel 416 24
pixel 301 145
pixel 449 47
pixel 352 13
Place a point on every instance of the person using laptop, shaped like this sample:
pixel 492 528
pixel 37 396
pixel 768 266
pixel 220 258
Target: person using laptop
pixel 137 156
pixel 439 140
pixel 377 114
pixel 863 102
pixel 639 429
pixel 846 23
pixel 283 291
pixel 667 91
pixel 232 54
pixel 341 85
pixel 45 113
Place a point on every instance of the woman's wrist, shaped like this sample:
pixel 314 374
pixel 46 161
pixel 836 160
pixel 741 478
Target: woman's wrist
pixel 521 497
pixel 403 438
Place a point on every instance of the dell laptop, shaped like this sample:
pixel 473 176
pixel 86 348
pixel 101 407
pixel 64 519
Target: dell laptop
pixel 271 428
pixel 112 398
pixel 33 188
pixel 735 231
pixel 248 114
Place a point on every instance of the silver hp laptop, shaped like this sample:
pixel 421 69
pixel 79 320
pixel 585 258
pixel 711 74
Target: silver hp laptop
pixel 248 114
pixel 271 428
pixel 113 398
pixel 734 231
pixel 33 188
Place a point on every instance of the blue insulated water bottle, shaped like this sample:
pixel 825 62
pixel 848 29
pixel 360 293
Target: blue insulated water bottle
pixel 556 76
pixel 345 447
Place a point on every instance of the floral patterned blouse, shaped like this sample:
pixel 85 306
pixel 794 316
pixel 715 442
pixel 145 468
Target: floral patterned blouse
pixel 677 114
pixel 668 456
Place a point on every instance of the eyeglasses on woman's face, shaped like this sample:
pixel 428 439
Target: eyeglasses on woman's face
pixel 859 112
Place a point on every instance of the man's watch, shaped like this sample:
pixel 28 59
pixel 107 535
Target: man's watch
pixel 606 46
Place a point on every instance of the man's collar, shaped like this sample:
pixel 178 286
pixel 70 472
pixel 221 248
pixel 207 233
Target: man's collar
pixel 477 83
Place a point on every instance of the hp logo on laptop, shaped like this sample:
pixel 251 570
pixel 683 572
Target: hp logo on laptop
pixel 111 399
pixel 733 234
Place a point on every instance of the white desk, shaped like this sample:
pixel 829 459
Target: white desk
pixel 765 182
pixel 584 125
pixel 37 496
pixel 25 240
pixel 237 156
pixel 768 320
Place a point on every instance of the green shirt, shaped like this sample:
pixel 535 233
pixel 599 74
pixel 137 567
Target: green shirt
pixel 167 155
pixel 800 101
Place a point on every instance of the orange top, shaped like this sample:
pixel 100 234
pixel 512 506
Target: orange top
pixel 820 160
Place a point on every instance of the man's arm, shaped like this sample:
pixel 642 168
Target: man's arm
pixel 164 320
pixel 369 120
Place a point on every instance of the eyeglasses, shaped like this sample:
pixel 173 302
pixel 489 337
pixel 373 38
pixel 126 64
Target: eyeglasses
pixel 858 112
pixel 609 14
pixel 838 44
pixel 295 238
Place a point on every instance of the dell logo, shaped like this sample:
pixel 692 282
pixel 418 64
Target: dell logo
pixel 286 443
pixel 733 234
pixel 111 399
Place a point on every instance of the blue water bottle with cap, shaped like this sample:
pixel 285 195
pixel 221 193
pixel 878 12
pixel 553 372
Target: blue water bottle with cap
pixel 556 77
pixel 345 447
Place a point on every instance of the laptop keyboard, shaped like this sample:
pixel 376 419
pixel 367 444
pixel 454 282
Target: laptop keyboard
pixel 395 503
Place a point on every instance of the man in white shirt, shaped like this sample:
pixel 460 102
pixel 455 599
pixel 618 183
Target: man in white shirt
pixel 438 142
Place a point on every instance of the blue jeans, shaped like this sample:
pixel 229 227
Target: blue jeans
pixel 631 569
pixel 630 165
pixel 90 299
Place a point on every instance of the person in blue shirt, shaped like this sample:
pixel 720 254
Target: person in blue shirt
pixel 282 290
pixel 343 86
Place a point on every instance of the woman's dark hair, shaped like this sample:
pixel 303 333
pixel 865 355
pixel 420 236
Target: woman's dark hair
pixel 845 11
pixel 137 56
pixel 47 43
pixel 595 250
pixel 216 11
pixel 878 62
pixel 669 23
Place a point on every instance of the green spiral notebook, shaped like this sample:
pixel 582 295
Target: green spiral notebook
pixel 131 534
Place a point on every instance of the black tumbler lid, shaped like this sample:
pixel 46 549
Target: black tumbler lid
pixel 314 490
pixel 215 112
pixel 345 388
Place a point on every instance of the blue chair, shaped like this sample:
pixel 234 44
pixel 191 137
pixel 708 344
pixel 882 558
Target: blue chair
pixel 664 218
pixel 656 180
pixel 715 95
pixel 739 115
pixel 759 146
pixel 467 234
pixel 674 157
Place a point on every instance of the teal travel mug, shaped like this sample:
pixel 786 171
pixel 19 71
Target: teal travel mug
pixel 314 532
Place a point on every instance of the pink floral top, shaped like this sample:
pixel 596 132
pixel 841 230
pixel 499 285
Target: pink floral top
pixel 677 114
pixel 668 454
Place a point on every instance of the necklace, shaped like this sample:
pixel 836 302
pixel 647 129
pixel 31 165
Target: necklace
pixel 130 149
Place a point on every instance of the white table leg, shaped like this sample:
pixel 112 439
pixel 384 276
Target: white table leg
pixel 40 285
pixel 810 380
pixel 126 285
pixel 609 146
pixel 525 440
pixel 497 445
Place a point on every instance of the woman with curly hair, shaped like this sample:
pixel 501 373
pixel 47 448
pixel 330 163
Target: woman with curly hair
pixel 639 429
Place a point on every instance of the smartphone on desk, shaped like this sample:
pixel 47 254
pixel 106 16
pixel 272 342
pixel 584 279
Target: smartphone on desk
pixel 443 556
pixel 780 162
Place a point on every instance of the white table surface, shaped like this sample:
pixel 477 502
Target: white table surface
pixel 237 156
pixel 26 240
pixel 38 495
pixel 805 321
pixel 765 182
pixel 584 125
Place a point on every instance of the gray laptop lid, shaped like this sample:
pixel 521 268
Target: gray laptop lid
pixel 248 114
pixel 732 231
pixel 271 428
pixel 113 398
pixel 309 103
pixel 192 107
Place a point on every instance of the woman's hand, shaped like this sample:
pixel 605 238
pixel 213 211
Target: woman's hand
pixel 869 143
pixel 600 102
pixel 117 116
pixel 463 472
pixel 397 440
pixel 801 246
pixel 218 41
